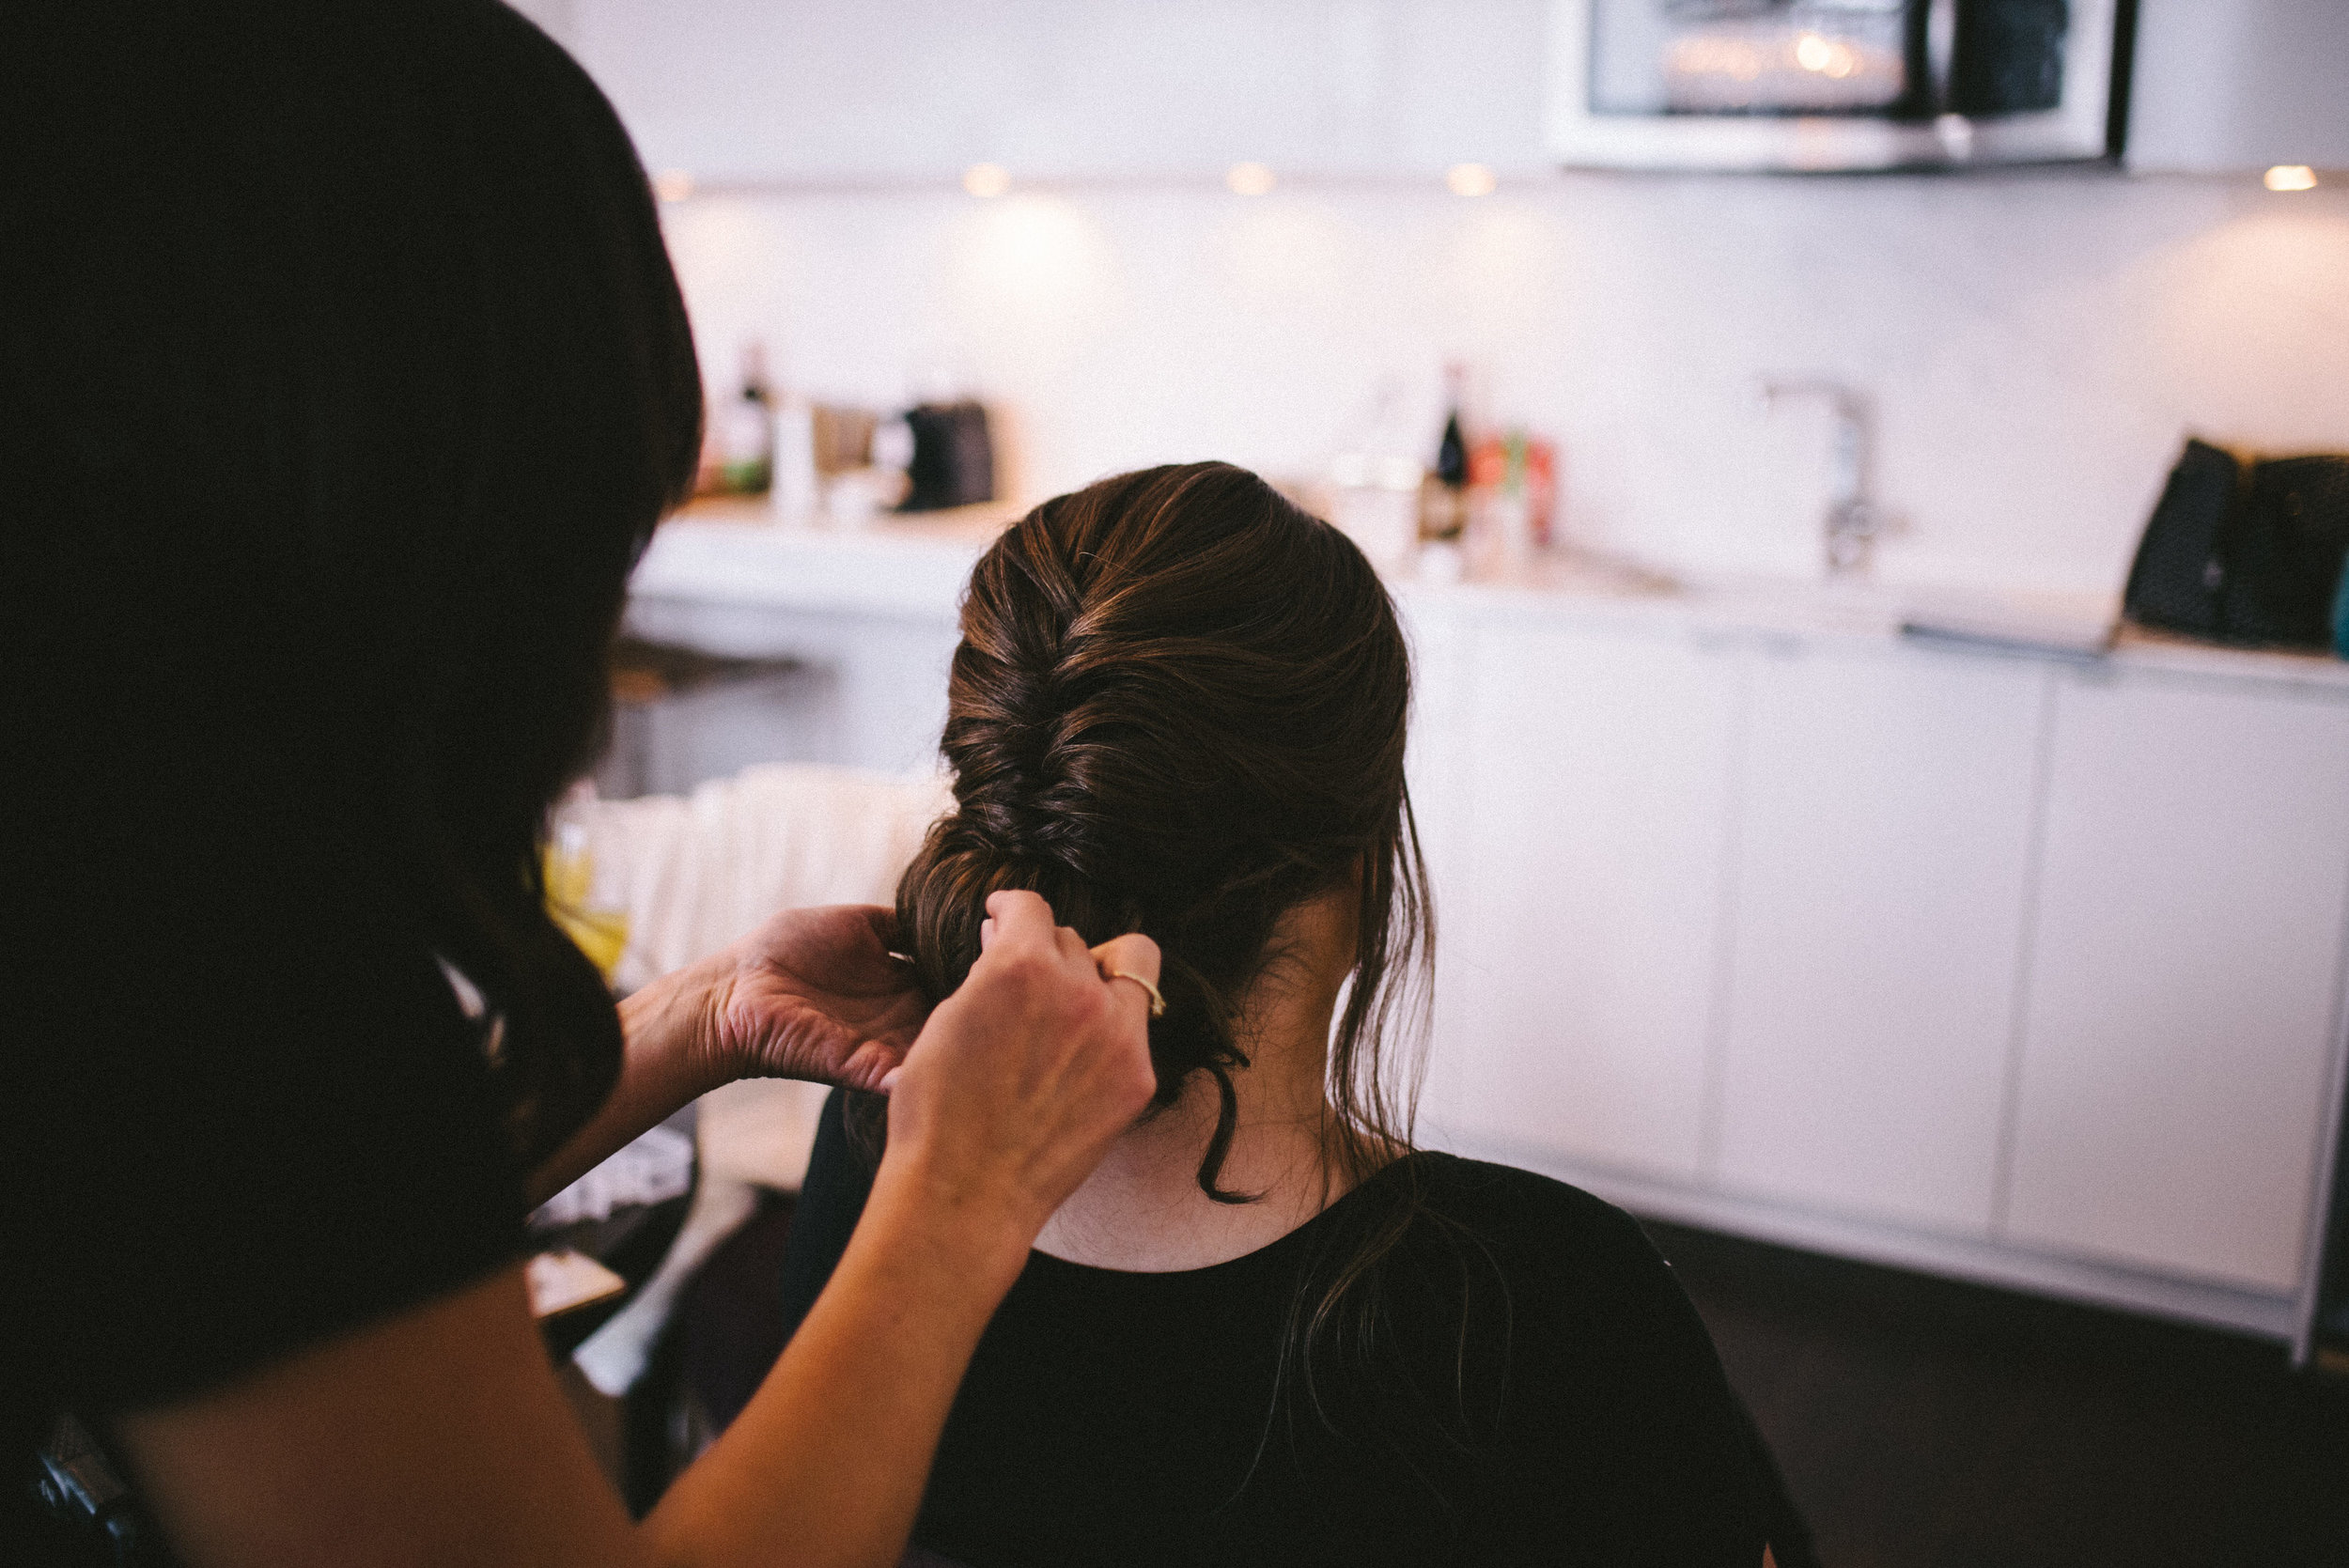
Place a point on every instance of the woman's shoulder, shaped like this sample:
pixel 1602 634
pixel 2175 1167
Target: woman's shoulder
pixel 1590 1330
pixel 1540 1246
pixel 1510 1205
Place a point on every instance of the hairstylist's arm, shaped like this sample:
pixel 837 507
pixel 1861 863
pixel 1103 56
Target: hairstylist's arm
pixel 1016 1087
pixel 440 1438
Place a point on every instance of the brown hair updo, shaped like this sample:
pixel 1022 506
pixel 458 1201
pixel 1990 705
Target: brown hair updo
pixel 1178 708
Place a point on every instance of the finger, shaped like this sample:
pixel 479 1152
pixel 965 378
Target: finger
pixel 1021 917
pixel 1134 953
pixel 889 1080
pixel 986 934
pixel 1130 967
pixel 1072 946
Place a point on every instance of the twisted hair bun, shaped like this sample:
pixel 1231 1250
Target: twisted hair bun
pixel 1178 708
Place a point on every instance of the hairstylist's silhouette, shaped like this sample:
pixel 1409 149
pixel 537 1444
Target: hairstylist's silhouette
pixel 342 379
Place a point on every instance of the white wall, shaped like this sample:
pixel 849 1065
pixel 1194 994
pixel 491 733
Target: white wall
pixel 2038 344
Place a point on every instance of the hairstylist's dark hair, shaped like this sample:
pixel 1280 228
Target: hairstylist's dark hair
pixel 343 377
pixel 1178 708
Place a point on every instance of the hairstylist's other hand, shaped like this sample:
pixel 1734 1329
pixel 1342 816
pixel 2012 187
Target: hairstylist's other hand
pixel 1024 1077
pixel 813 994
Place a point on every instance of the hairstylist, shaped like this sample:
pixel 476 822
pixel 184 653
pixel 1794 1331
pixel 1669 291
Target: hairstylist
pixel 342 379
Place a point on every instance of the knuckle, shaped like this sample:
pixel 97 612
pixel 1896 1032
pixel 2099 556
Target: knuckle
pixel 1023 967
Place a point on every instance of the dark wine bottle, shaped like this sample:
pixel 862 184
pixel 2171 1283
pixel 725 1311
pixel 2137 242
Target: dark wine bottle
pixel 1452 454
pixel 1443 500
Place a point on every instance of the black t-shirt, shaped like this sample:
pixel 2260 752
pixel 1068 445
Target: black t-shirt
pixel 242 1112
pixel 1536 1390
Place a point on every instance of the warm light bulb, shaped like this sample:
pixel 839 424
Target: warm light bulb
pixel 987 180
pixel 1813 52
pixel 673 185
pixel 2290 176
pixel 1249 179
pixel 1469 180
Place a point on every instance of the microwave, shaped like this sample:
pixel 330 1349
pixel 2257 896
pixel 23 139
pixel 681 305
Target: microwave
pixel 1836 84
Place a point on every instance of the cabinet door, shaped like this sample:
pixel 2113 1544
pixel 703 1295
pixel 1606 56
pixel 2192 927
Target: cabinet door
pixel 1579 951
pixel 1884 840
pixel 870 689
pixel 2240 85
pixel 750 90
pixel 2184 978
pixel 1440 766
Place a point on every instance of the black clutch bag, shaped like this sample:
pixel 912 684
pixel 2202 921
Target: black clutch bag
pixel 2246 551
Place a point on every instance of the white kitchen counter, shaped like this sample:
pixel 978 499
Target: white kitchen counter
pixel 2016 965
pixel 735 552
pixel 737 556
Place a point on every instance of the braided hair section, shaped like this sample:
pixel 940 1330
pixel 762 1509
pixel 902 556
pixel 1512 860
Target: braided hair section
pixel 1178 708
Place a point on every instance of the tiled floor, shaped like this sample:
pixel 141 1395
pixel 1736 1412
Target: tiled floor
pixel 1926 1424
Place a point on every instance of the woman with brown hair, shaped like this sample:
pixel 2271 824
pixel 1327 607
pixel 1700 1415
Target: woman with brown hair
pixel 1266 1328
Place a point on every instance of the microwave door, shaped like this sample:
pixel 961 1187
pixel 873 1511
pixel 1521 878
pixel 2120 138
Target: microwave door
pixel 2033 83
pixel 1721 57
pixel 1828 84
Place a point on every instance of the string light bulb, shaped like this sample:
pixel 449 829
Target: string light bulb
pixel 2290 177
pixel 987 180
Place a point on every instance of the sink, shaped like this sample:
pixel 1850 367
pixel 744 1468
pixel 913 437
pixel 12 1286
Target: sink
pixel 2063 623
pixel 2077 625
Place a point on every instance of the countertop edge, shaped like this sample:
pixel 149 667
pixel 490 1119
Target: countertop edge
pixel 915 569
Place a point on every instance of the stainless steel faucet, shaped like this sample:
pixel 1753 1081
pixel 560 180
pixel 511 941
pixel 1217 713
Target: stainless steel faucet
pixel 1852 518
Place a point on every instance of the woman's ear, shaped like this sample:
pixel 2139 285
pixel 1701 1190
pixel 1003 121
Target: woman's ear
pixel 1324 933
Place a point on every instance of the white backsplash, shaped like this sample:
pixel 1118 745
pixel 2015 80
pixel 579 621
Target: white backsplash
pixel 2037 345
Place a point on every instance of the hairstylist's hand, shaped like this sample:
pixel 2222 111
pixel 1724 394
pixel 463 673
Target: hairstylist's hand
pixel 1024 1077
pixel 813 994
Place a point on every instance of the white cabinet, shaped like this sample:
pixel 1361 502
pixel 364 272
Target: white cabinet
pixel 1439 766
pixel 1885 815
pixel 1995 965
pixel 1581 934
pixel 2242 84
pixel 869 690
pixel 1968 962
pixel 748 90
pixel 2184 978
pixel 754 91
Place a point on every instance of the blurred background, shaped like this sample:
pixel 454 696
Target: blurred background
pixel 1867 482
pixel 2035 341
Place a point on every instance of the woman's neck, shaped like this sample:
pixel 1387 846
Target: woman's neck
pixel 1142 1210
